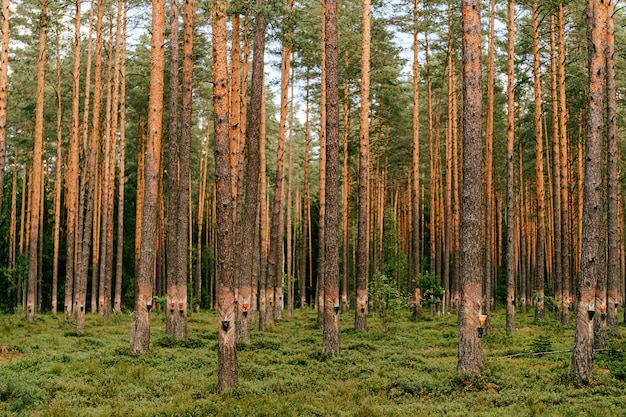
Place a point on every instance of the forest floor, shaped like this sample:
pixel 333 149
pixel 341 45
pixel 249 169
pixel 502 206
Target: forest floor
pixel 408 370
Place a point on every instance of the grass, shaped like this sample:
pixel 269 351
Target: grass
pixel 408 370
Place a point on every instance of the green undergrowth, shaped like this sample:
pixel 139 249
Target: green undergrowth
pixel 410 369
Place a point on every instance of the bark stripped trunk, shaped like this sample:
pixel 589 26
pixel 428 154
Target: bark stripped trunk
pixel 37 176
pixel 470 359
pixel 592 234
pixel 510 176
pixel 331 343
pixel 140 329
pixel 362 261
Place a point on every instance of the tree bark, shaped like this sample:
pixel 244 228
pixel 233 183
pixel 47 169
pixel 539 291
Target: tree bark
pixel 470 359
pixel 415 173
pixel 540 231
pixel 510 176
pixel 37 175
pixel 592 234
pixel 4 89
pixel 321 261
pixel 613 272
pixel 140 329
pixel 331 343
pixel 362 262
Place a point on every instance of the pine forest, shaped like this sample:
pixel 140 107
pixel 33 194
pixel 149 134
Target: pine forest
pixel 312 208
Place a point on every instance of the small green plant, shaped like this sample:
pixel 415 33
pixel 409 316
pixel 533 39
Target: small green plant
pixel 541 343
pixel 432 292
pixel 385 299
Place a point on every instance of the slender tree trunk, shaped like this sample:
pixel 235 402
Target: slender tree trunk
pixel 593 236
pixel 489 172
pixel 415 173
pixel 345 194
pixel 510 176
pixel 140 329
pixel 13 221
pixel 566 249
pixel 321 260
pixel 613 273
pixel 4 89
pixel 470 360
pixel 37 175
pixel 275 277
pixel 362 262
pixel 306 247
pixel 56 231
pixel 117 300
pixel 540 232
pixel 331 343
pixel 290 227
pixel 263 217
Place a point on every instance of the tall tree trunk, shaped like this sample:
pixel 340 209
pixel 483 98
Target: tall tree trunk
pixel 345 194
pixel 89 185
pixel 362 261
pixel 264 219
pixel 489 198
pixel 566 247
pixel 176 308
pixel 510 175
pixel 331 344
pixel 557 269
pixel 275 277
pixel 306 247
pixel 540 266
pixel 227 350
pixel 613 273
pixel 140 329
pixel 37 175
pixel 248 283
pixel 321 261
pixel 592 234
pixel 13 221
pixel 290 226
pixel 470 359
pixel 415 174
pixel 56 231
pixel 4 89
pixel 117 300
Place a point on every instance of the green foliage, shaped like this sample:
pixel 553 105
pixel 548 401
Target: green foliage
pixel 410 371
pixel 432 292
pixel 385 299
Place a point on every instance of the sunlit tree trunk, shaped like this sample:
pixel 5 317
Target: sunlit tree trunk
pixel 37 175
pixel 117 300
pixel 415 173
pixel 56 231
pixel 566 246
pixel 593 233
pixel 540 232
pixel 331 344
pixel 470 359
pixel 489 198
pixel 510 175
pixel 306 247
pixel 613 272
pixel 140 329
pixel 362 261
pixel 290 227
pixel 4 87
pixel 345 194
pixel 263 216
